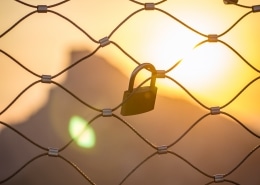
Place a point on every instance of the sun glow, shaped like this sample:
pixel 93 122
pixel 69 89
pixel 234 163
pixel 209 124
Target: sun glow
pixel 208 70
pixel 149 36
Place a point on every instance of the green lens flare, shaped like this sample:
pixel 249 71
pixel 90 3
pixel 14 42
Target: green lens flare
pixel 84 135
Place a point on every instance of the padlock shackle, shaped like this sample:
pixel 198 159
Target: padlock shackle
pixel 147 66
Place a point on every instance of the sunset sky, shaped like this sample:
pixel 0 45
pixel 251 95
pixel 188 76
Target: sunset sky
pixel 164 43
pixel 214 73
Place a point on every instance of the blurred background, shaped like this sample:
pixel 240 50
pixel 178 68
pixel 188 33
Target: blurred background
pixel 47 43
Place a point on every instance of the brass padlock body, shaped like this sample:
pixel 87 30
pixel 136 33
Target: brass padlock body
pixel 142 99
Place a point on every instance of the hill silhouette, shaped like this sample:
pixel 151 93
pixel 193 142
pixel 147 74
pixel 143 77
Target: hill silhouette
pixel 215 145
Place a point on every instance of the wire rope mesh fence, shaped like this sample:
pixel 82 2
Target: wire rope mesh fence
pixel 129 154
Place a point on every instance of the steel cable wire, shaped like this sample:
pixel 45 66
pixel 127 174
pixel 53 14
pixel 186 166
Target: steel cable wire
pixel 247 62
pixel 240 92
pixel 237 166
pixel 127 54
pixel 29 14
pixel 135 131
pixel 191 165
pixel 74 24
pixel 21 168
pixel 187 91
pixel 243 160
pixel 240 123
pixel 19 21
pixel 76 97
pixel 118 106
pixel 40 156
pixel 232 49
pixel 76 63
pixel 121 23
pixel 137 166
pixel 49 6
pixel 51 11
pixel 144 4
pixel 156 153
pixel 80 133
pixel 19 63
pixel 18 96
pixel 78 169
pixel 231 27
pixel 23 136
pixel 188 130
pixel 225 180
pixel 239 5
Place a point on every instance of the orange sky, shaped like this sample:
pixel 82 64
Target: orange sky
pixel 165 42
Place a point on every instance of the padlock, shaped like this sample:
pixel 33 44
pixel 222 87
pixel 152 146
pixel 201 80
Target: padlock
pixel 142 99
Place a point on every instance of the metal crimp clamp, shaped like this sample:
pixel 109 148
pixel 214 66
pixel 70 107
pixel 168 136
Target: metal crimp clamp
pixel 54 152
pixel 160 73
pixel 46 78
pixel 213 38
pixel 214 110
pixel 256 8
pixel 219 178
pixel 149 6
pixel 230 1
pixel 104 41
pixel 42 8
pixel 107 112
pixel 162 149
